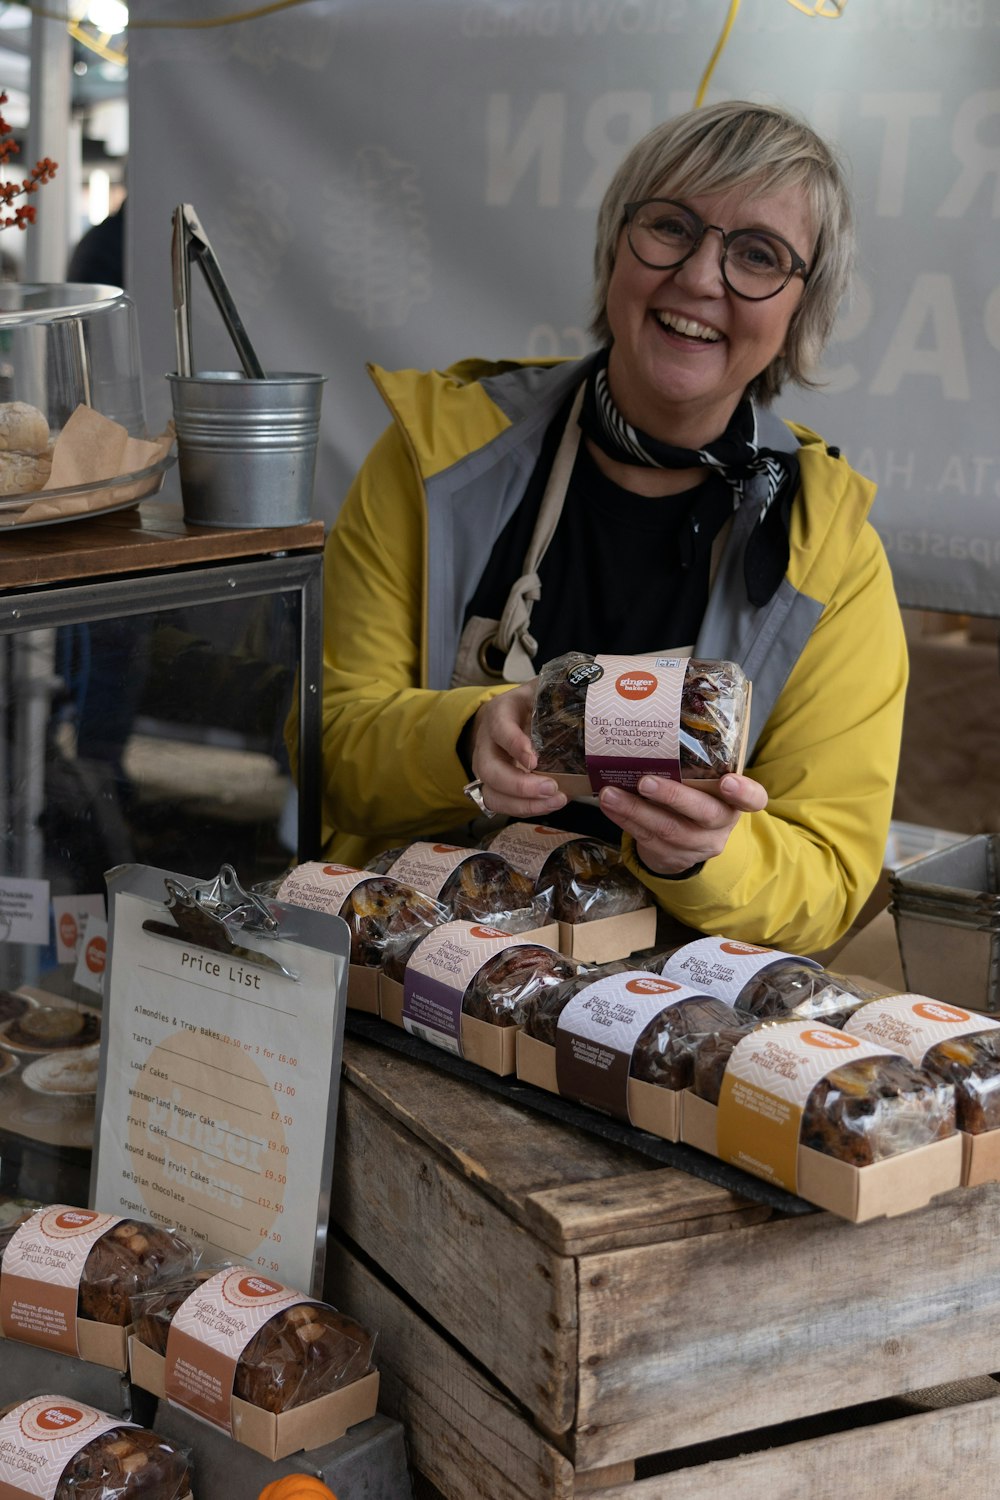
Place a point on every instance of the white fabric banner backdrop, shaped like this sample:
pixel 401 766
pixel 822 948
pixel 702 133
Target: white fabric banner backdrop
pixel 412 182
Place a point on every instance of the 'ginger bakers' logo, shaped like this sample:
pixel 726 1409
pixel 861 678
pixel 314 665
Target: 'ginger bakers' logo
pixel 446 848
pixel 259 1286
pixel 635 685
pixel 75 1218
pixel 650 984
pixel 552 833
pixel 936 1010
pixel 58 1418
pixel 742 949
pixel 68 930
pixel 337 870
pixel 832 1041
pixel 96 955
pixel 487 932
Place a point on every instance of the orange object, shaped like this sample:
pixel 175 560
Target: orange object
pixel 297 1487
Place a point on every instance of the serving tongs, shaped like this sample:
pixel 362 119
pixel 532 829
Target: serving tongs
pixel 190 243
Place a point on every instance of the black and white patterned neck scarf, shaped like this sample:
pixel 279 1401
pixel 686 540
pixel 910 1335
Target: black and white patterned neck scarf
pixel 735 456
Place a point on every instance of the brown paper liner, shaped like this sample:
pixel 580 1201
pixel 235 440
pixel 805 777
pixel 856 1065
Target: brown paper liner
pixel 89 449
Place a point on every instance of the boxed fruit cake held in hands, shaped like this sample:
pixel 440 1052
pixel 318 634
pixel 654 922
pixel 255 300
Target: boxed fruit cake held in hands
pixel 610 720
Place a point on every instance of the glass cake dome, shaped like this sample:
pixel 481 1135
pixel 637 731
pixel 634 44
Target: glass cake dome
pixel 64 345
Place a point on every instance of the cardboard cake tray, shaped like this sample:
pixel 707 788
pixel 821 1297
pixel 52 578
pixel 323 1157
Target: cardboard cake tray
pixel 489 1047
pixel 362 988
pixel 650 1108
pixel 103 1344
pixel 272 1434
pixel 886 1188
pixel 608 938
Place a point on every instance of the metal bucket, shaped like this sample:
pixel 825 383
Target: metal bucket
pixel 246 449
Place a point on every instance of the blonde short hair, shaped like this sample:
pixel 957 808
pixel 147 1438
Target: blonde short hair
pixel 737 144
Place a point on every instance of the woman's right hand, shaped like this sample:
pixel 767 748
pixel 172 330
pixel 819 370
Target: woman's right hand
pixel 503 758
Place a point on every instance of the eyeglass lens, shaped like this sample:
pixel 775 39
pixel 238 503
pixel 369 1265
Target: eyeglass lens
pixel 754 263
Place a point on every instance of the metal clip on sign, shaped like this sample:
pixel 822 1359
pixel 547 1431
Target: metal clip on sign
pixel 190 243
pixel 206 913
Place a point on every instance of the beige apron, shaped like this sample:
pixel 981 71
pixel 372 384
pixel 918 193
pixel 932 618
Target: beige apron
pixel 511 634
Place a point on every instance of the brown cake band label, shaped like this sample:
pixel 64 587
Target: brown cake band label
pixel 597 1032
pixel 209 1332
pixel 632 719
pixel 439 972
pixel 722 967
pixel 528 846
pixel 427 866
pixel 911 1025
pixel 38 1439
pixel 321 887
pixel 766 1086
pixel 41 1273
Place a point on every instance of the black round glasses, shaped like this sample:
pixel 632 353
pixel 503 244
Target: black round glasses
pixel 756 263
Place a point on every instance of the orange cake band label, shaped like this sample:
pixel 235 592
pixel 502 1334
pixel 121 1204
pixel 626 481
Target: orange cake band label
pixel 766 1087
pixel 38 1439
pixel 209 1332
pixel 40 1276
pixel 427 866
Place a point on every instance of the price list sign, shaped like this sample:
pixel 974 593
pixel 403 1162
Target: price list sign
pixel 219 1086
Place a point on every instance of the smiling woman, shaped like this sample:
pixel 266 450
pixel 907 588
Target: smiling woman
pixel 643 499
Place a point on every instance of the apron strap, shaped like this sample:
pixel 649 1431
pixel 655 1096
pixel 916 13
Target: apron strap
pixel 513 635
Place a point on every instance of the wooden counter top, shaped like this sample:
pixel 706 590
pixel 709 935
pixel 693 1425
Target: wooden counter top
pixel 147 538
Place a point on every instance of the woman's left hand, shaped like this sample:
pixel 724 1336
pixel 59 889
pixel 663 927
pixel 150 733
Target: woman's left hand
pixel 676 826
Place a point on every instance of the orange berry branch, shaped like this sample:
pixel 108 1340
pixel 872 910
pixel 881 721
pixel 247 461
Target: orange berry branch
pixel 42 171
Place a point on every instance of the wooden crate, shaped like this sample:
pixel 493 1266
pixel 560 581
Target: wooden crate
pixel 559 1317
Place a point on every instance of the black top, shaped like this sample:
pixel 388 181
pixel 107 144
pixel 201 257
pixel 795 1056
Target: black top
pixel 624 573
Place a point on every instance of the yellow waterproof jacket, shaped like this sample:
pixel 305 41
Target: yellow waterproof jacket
pixel 826 656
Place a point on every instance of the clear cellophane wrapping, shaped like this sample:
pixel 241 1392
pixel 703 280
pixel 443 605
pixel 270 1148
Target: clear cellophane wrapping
pixel 861 1112
pixel 128 1257
pixel 664 1051
pixel 304 1351
pixel 714 706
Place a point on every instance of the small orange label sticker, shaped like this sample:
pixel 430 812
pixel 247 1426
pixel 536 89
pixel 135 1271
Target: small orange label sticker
pixel 937 1010
pixel 68 930
pixel 831 1040
pixel 96 955
pixel 635 685
pixel 57 1418
pixel 75 1218
pixel 651 984
pixel 259 1286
